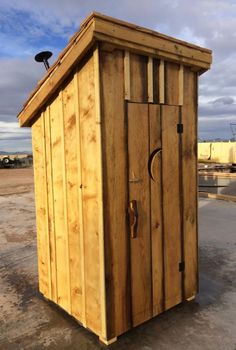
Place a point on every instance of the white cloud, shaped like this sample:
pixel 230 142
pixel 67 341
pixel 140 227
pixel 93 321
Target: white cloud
pixel 26 27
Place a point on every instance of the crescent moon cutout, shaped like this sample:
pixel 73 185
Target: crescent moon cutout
pixel 151 162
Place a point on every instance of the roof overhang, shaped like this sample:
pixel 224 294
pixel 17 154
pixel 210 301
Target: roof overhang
pixel 98 27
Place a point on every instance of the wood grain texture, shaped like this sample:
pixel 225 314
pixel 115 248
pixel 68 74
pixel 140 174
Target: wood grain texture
pixel 138 78
pixel 150 79
pixel 124 35
pixel 115 192
pixel 138 151
pixel 161 82
pixel 60 217
pixel 138 28
pixel 189 152
pixel 127 75
pixel 172 83
pixel 90 195
pixel 156 210
pixel 91 151
pixel 98 120
pixel 181 84
pixel 50 200
pixel 165 45
pixel 72 198
pixel 79 190
pixel 171 205
pixel 140 49
pixel 65 202
pixel 41 206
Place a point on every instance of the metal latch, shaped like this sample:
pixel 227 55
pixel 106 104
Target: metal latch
pixel 181 266
pixel 180 128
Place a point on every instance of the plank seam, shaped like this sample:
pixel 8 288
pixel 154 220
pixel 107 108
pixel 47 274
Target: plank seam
pixel 100 189
pixel 65 200
pixel 54 232
pixel 46 214
pixel 162 219
pixel 196 137
pixel 79 176
pixel 150 210
pixel 181 195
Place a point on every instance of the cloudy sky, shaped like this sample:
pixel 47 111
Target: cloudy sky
pixel 27 27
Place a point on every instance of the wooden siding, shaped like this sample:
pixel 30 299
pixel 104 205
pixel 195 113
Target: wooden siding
pixel 155 127
pixel 41 207
pixel 72 197
pixel 92 146
pixel 69 199
pixel 115 192
pixel 189 169
pixel 172 83
pixel 139 190
pixel 171 205
pixel 138 78
pixel 100 28
pixel 152 80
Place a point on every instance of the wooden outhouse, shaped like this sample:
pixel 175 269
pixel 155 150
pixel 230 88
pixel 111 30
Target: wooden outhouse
pixel 114 129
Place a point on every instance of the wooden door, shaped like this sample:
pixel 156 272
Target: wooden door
pixel 154 209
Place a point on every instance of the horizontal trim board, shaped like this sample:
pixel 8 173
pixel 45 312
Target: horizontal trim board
pixel 124 35
pixel 128 25
pixel 155 52
pixel 133 35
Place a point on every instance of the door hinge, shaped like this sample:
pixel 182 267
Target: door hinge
pixel 180 128
pixel 181 266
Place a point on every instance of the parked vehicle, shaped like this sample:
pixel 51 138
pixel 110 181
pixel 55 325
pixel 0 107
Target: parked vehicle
pixel 7 162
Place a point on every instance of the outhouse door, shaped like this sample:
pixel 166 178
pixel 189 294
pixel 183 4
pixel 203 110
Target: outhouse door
pixel 155 191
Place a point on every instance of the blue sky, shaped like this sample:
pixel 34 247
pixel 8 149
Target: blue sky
pixel 27 27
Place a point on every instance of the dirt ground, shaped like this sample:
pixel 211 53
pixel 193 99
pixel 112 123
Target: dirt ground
pixel 13 181
pixel 27 321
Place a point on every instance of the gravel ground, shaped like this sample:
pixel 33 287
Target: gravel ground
pixel 27 321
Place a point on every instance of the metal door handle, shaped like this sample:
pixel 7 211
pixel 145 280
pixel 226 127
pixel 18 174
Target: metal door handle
pixel 133 218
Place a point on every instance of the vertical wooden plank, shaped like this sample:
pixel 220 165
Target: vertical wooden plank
pixel 127 75
pixel 171 205
pixel 60 224
pixel 115 193
pixel 72 200
pixel 41 206
pixel 64 189
pixel 138 78
pixel 51 230
pixel 150 79
pixel 90 194
pixel 156 210
pixel 172 83
pixel 138 150
pixel 98 121
pixel 181 84
pixel 162 82
pixel 80 199
pixel 189 151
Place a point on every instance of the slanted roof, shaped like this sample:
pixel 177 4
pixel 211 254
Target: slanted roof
pixel 97 27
